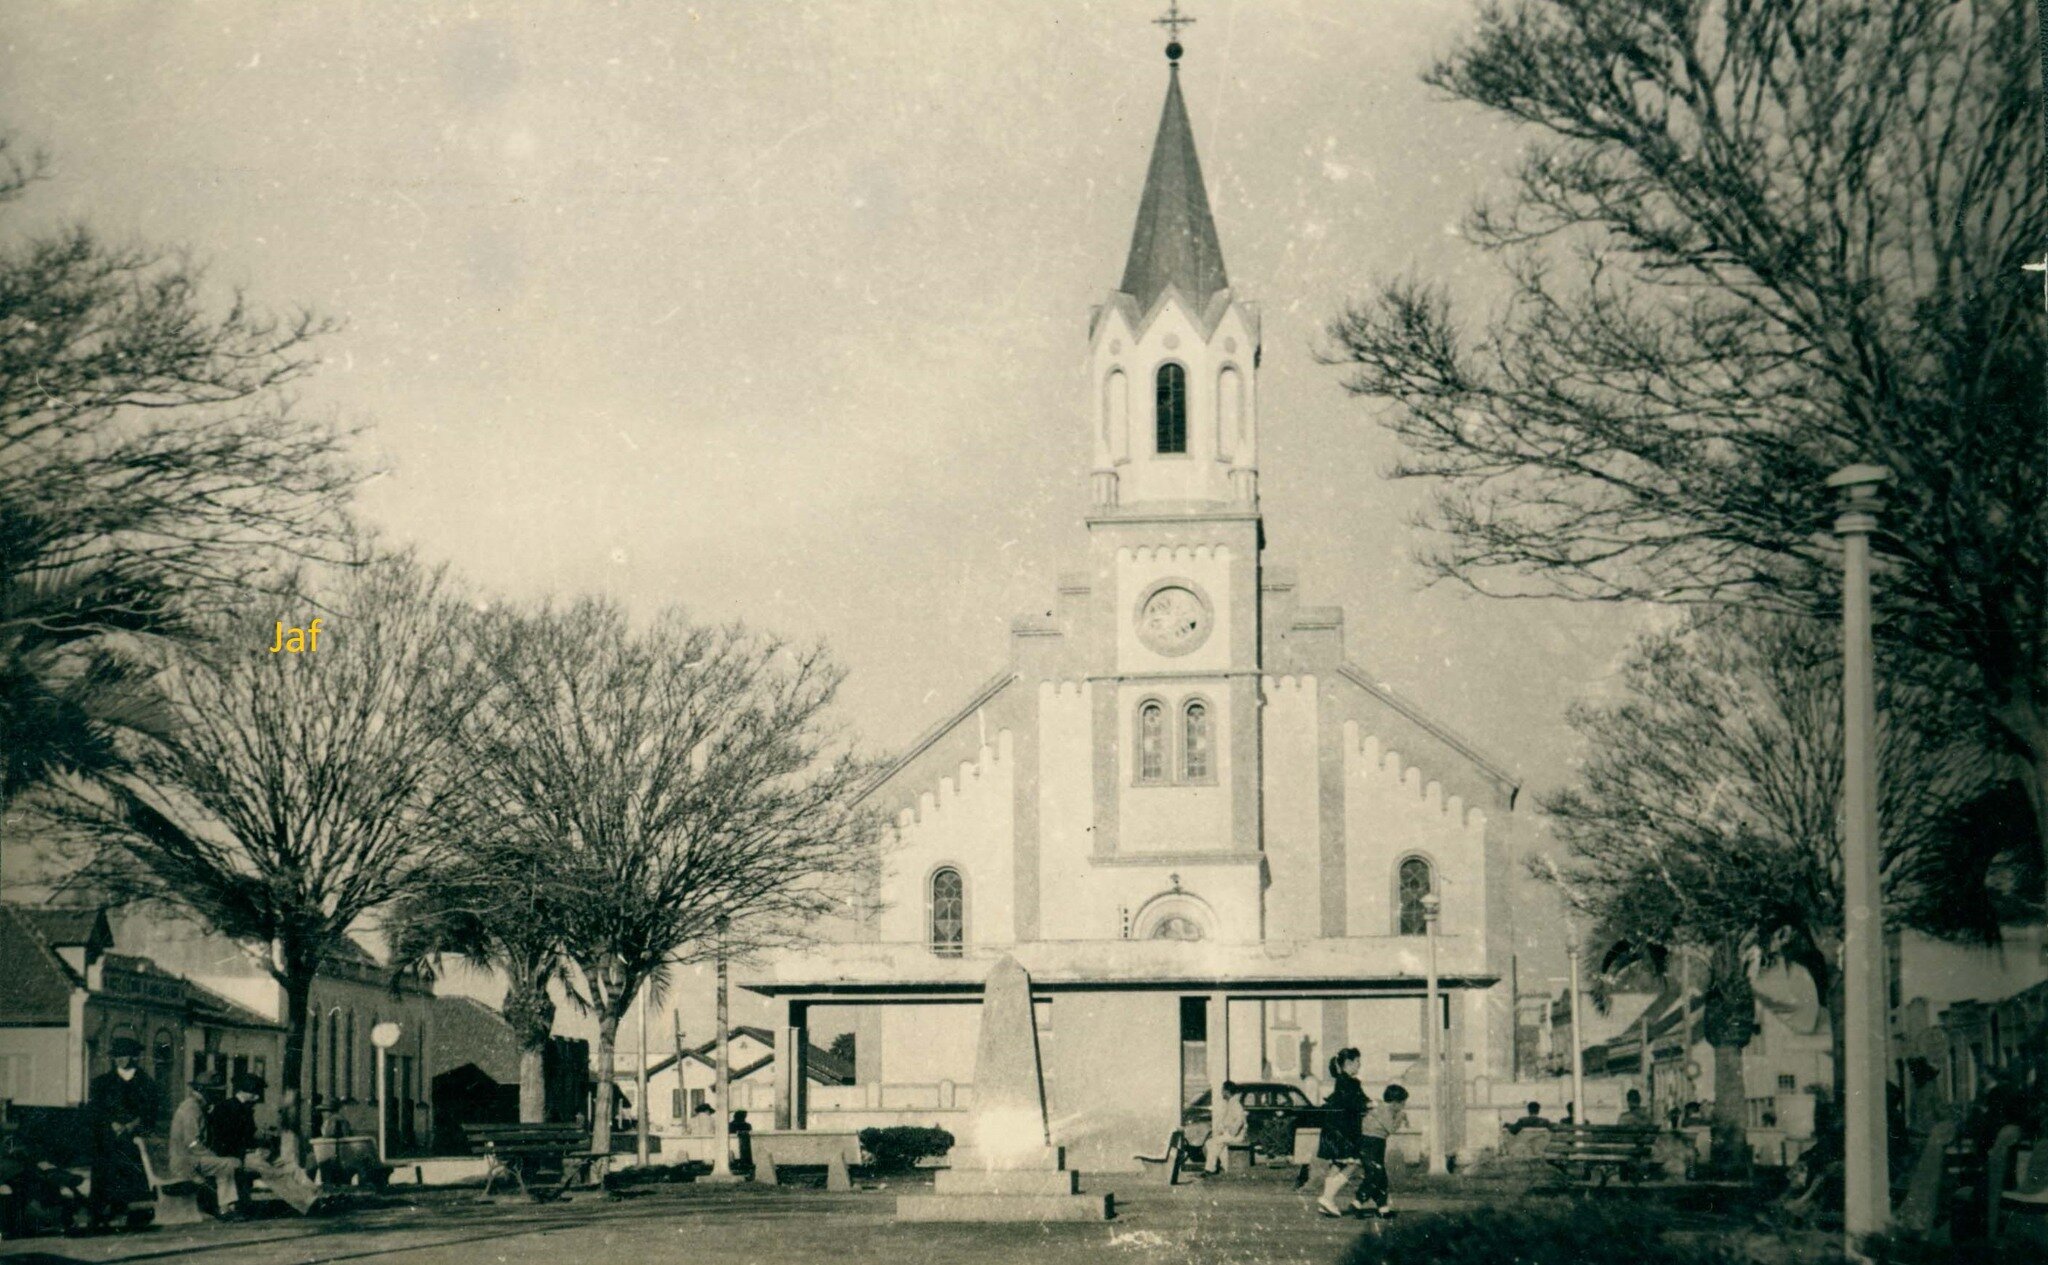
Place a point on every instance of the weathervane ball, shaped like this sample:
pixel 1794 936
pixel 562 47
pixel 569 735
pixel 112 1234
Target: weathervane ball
pixel 1173 51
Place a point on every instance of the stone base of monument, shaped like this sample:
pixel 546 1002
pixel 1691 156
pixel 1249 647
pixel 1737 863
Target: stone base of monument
pixel 1037 1188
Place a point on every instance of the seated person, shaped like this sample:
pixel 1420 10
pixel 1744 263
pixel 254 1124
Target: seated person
pixel 1532 1120
pixel 1694 1116
pixel 231 1134
pixel 191 1158
pixel 34 1193
pixel 1635 1114
pixel 1229 1126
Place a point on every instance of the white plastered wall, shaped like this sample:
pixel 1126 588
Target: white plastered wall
pixel 965 822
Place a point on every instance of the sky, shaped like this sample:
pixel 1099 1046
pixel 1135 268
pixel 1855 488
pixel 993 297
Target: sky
pixel 777 311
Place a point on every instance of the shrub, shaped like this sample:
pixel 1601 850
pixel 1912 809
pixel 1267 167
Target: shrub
pixel 1569 1234
pixel 899 1147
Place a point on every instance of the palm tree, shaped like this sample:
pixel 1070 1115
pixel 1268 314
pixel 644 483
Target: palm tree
pixel 495 905
pixel 70 683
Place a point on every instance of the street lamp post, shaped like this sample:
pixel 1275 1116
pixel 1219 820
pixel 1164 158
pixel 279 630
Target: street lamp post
pixel 1439 1163
pixel 1571 948
pixel 384 1036
pixel 1867 1203
pixel 640 1104
pixel 721 1120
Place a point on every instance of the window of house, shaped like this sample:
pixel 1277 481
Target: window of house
pixel 1787 1082
pixel 1195 742
pixel 1171 409
pixel 1152 742
pixel 949 913
pixel 348 1060
pixel 1415 883
pixel 17 1071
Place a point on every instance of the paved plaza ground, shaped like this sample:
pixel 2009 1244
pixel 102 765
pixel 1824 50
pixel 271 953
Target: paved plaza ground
pixel 1237 1220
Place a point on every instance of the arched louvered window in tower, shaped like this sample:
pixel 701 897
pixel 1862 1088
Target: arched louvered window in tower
pixel 949 913
pixel 1152 742
pixel 1415 883
pixel 1194 742
pixel 1171 409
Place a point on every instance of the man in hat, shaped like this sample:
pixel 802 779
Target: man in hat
pixel 121 1105
pixel 231 1130
pixel 192 1157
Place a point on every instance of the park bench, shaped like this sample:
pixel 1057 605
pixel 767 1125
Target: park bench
pixel 543 1159
pixel 1171 1157
pixel 348 1161
pixel 1599 1153
pixel 177 1202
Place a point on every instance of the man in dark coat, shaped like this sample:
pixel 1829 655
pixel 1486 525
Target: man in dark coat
pixel 231 1131
pixel 121 1106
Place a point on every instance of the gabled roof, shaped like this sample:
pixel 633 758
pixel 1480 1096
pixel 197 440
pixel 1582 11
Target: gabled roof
pixel 989 689
pixel 1174 241
pixel 36 986
pixel 822 1066
pixel 68 927
pixel 465 1002
pixel 1490 768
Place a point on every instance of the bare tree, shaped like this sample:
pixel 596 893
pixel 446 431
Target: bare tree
pixel 1748 244
pixel 682 776
pixel 1705 818
pixel 297 792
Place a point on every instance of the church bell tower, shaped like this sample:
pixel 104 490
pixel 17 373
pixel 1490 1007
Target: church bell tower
pixel 1173 352
pixel 1175 536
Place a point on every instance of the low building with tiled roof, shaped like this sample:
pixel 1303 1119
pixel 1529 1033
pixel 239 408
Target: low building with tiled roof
pixel 67 996
pixel 674 1100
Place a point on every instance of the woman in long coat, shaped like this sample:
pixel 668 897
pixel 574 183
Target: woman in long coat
pixel 1343 1117
pixel 122 1105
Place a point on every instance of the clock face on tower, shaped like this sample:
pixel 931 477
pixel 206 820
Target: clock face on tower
pixel 1173 620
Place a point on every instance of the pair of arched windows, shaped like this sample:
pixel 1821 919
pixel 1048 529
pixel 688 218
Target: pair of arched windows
pixel 946 912
pixel 1186 754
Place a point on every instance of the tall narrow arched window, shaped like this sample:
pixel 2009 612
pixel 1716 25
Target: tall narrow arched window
pixel 949 913
pixel 1229 412
pixel 1194 742
pixel 1170 405
pixel 1415 882
pixel 1116 416
pixel 1152 742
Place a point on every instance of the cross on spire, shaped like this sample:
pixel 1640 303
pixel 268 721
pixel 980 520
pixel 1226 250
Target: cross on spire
pixel 1173 21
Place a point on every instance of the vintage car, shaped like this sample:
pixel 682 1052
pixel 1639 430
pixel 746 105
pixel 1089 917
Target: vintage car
pixel 1273 1111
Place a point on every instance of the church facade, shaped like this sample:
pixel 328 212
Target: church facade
pixel 1205 833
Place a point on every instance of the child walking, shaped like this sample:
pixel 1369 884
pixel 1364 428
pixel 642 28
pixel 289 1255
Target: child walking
pixel 1381 1122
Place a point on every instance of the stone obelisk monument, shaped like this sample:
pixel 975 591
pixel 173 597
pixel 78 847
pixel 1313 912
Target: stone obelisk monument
pixel 1005 1168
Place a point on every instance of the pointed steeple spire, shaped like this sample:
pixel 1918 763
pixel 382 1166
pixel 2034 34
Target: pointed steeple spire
pixel 1174 242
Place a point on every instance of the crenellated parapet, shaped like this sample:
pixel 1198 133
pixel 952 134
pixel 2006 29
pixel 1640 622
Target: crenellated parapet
pixel 1152 554
pixel 1392 771
pixel 992 758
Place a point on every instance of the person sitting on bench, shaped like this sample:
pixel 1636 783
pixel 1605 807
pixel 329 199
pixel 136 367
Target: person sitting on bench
pixel 190 1157
pixel 1229 1127
pixel 231 1132
pixel 1637 1115
pixel 1532 1120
